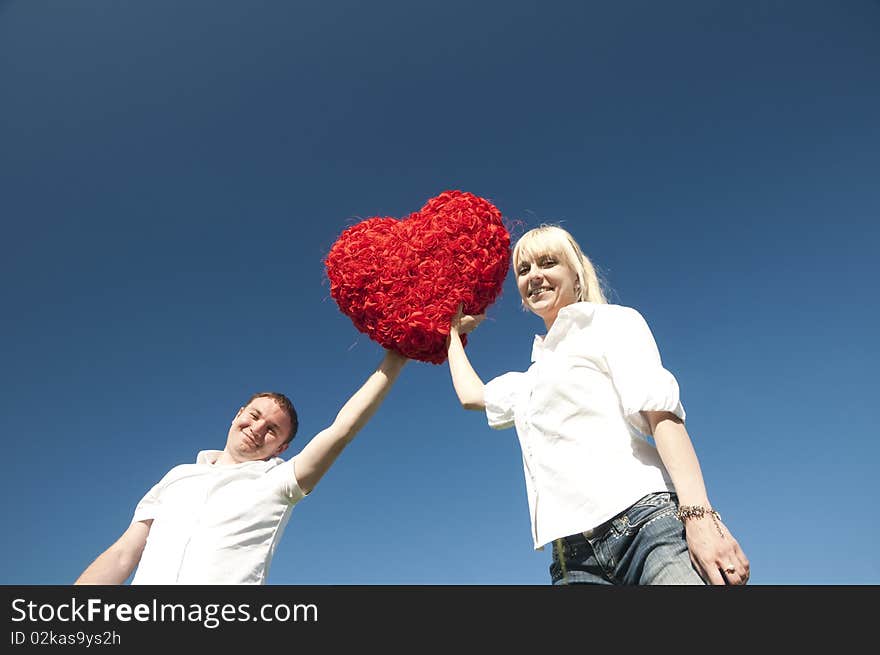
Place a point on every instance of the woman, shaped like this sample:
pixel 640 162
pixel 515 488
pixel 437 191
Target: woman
pixel 618 509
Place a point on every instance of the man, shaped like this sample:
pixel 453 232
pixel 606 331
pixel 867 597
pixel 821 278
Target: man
pixel 219 520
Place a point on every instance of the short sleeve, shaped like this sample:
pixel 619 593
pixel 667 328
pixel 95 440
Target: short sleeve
pixel 636 369
pixel 148 507
pixel 286 475
pixel 500 396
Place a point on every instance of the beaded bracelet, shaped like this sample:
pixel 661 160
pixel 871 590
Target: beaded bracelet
pixel 686 512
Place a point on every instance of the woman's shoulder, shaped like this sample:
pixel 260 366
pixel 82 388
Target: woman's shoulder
pixel 619 321
pixel 606 313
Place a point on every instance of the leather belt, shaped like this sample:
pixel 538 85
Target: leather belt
pixel 582 537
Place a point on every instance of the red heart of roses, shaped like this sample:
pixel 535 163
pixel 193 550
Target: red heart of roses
pixel 400 281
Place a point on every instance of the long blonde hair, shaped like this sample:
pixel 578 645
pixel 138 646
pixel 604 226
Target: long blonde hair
pixel 553 240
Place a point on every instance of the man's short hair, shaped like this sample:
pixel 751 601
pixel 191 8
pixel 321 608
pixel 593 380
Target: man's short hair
pixel 284 403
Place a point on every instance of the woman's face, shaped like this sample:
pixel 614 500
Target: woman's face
pixel 546 285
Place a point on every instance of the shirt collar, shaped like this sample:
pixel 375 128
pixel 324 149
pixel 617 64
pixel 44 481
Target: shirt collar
pixel 569 318
pixel 209 457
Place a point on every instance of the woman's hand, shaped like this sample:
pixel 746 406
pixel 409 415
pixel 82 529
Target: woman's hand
pixel 464 323
pixel 468 385
pixel 715 552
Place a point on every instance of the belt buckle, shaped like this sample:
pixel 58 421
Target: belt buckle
pixel 599 530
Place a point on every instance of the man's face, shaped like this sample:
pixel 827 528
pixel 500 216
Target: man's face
pixel 258 431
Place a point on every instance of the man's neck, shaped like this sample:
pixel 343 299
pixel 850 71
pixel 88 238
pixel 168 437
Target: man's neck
pixel 227 459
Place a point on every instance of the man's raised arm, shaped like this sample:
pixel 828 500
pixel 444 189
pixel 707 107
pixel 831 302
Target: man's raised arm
pixel 319 454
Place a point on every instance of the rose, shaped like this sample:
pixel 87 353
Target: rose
pixel 400 281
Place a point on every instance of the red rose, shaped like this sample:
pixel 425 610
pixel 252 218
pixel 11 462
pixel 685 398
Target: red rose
pixel 400 281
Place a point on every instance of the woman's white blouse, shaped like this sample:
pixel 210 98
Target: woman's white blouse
pixel 577 412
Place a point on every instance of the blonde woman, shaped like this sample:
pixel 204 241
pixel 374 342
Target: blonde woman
pixel 617 508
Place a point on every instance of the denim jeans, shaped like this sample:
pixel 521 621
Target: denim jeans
pixel 643 545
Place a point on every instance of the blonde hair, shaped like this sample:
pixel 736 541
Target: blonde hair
pixel 553 240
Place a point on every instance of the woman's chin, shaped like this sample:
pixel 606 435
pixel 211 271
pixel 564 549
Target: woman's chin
pixel 541 310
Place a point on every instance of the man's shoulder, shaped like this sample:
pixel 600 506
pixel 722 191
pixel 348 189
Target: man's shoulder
pixel 180 470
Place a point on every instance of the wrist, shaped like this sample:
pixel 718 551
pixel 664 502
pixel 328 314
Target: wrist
pixel 689 513
pixel 393 360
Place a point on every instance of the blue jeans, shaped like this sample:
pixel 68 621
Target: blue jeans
pixel 643 545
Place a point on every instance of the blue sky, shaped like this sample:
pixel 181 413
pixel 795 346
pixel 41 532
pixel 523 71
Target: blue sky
pixel 173 175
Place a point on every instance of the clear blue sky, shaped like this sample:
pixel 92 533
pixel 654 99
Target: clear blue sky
pixel 173 174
